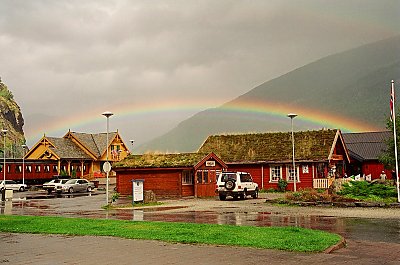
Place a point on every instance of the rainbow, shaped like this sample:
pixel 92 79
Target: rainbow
pixel 276 110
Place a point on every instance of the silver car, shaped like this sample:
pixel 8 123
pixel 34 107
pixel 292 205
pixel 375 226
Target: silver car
pixel 50 186
pixel 75 185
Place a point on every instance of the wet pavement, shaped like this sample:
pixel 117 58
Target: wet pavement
pixel 89 205
pixel 368 238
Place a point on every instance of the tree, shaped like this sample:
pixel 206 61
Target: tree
pixel 388 157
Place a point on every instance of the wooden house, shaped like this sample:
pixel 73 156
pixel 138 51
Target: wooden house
pixel 170 175
pixel 320 156
pixel 75 154
pixel 364 150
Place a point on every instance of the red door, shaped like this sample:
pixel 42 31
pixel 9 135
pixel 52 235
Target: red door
pixel 205 183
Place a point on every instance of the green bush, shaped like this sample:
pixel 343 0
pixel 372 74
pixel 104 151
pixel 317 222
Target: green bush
pixel 115 196
pixel 282 184
pixel 366 189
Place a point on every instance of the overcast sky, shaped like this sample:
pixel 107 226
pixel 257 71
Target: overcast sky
pixel 69 61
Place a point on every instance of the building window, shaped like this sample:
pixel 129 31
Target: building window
pixel 37 169
pixel 275 173
pixel 55 169
pixel 18 169
pixel 46 168
pixel 321 170
pixel 115 151
pixel 199 176
pixel 305 169
pixel 202 176
pixel 290 173
pixel 205 176
pixel 187 177
pixel 29 168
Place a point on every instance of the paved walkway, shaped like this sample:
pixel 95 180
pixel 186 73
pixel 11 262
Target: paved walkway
pixel 54 249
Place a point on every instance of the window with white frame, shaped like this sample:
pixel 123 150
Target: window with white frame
pixel 187 177
pixel 290 173
pixel 275 173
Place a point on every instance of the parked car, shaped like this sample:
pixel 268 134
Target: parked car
pixel 11 184
pixel 75 185
pixel 50 186
pixel 236 184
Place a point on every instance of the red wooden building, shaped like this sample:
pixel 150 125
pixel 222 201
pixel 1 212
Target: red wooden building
pixel 364 150
pixel 170 175
pixel 320 156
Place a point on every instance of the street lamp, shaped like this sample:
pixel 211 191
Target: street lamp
pixel 4 132
pixel 23 163
pixel 107 166
pixel 292 116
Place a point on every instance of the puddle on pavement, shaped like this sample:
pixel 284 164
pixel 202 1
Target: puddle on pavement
pixel 379 230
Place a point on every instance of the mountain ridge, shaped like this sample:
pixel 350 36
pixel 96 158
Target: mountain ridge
pixel 12 120
pixel 352 84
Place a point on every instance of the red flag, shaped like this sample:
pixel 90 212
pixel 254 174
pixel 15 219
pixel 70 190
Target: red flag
pixel 392 102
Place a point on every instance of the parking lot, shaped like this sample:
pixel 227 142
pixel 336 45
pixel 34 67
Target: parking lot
pixel 373 235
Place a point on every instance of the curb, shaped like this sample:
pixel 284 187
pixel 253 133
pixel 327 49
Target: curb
pixel 339 245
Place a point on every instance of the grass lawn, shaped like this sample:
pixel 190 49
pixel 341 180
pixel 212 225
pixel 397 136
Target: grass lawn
pixel 283 238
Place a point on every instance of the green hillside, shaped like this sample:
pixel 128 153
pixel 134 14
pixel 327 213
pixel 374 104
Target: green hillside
pixel 353 84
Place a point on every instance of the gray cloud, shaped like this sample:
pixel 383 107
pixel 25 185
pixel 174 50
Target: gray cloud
pixel 65 58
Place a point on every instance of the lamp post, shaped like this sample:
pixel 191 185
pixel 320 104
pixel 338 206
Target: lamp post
pixel 107 166
pixel 4 132
pixel 292 116
pixel 23 163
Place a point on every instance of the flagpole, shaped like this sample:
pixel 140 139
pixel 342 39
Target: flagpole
pixel 395 143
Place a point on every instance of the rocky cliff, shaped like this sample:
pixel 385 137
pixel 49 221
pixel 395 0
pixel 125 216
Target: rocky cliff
pixel 11 119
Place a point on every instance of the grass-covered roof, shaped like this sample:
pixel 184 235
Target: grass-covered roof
pixel 152 160
pixel 270 147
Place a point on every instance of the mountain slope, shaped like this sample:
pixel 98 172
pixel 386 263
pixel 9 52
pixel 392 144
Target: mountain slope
pixel 352 85
pixel 11 119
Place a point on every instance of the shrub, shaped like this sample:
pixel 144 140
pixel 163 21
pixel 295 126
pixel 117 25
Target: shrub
pixel 269 190
pixel 115 196
pixel 365 189
pixel 310 195
pixel 282 184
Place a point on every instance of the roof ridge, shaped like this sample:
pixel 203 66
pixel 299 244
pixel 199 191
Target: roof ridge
pixel 95 144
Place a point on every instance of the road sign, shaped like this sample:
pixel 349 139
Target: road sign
pixel 107 167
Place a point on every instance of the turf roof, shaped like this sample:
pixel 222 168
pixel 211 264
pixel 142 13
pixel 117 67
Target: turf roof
pixel 161 160
pixel 271 147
